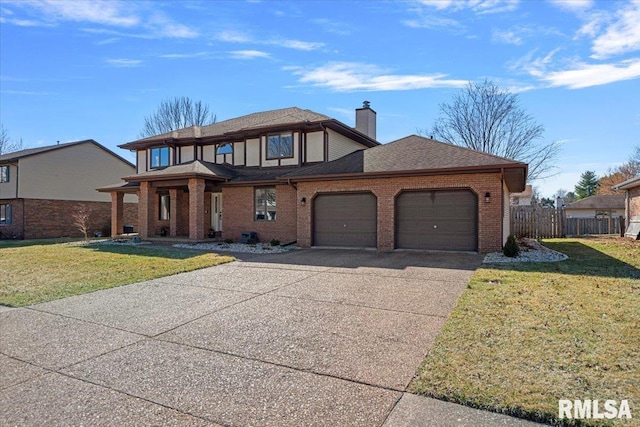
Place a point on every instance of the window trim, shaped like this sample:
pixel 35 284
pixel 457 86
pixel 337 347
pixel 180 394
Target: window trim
pixel 160 165
pixel 264 206
pixel 2 175
pixel 279 135
pixel 7 214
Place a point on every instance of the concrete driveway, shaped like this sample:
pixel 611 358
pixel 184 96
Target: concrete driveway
pixel 311 337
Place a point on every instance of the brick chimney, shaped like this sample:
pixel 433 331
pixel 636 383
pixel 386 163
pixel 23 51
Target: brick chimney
pixel 366 120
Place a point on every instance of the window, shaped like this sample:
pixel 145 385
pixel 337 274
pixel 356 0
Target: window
pixel 224 149
pixel 165 203
pixel 159 157
pixel 5 213
pixel 265 204
pixel 4 173
pixel 279 146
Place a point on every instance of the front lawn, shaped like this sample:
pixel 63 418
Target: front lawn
pixel 39 271
pixel 523 336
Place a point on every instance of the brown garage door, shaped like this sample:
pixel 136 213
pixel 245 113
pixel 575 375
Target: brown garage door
pixel 345 220
pixel 437 220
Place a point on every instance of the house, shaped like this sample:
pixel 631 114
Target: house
pixel 631 188
pixel 42 188
pixel 603 206
pixel 298 176
pixel 523 198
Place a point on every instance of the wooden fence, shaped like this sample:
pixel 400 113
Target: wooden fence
pixel 541 222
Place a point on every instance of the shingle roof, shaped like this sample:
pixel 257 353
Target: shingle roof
pixel 407 154
pixel 194 168
pixel 608 201
pixel 250 121
pixel 33 151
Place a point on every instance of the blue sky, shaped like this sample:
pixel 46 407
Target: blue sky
pixel 75 70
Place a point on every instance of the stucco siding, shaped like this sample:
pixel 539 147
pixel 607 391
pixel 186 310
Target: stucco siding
pixel 238 153
pixel 315 147
pixel 340 145
pixel 72 173
pixel 141 159
pixel 591 213
pixel 253 152
pixel 186 154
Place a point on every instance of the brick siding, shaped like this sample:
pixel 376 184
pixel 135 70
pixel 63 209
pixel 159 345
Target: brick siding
pixel 239 214
pixel 294 222
pixel 387 189
pixel 53 218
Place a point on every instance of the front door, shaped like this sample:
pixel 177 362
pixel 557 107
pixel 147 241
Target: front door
pixel 216 211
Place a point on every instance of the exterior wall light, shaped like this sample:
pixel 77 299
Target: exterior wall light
pixel 487 197
pixel 303 201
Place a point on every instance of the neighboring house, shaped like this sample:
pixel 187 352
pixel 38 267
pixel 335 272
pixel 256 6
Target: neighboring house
pixel 298 176
pixel 42 188
pixel 523 198
pixel 631 188
pixel 610 205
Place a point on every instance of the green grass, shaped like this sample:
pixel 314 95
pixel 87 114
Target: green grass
pixel 523 336
pixel 39 271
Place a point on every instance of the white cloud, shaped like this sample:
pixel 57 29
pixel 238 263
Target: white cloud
pixel 586 75
pixel 121 62
pixel 249 54
pixel 507 36
pixel 184 55
pixel 477 6
pixel 351 77
pixel 233 36
pixel 432 21
pixel 622 36
pixel 137 17
pixel 572 5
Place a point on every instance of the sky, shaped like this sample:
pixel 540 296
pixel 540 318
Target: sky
pixel 74 70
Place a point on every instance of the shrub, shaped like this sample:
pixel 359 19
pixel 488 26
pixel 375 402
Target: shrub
pixel 251 242
pixel 275 242
pixel 228 240
pixel 511 248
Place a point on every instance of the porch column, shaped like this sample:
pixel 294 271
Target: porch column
pixel 146 210
pixel 173 212
pixel 196 208
pixel 117 213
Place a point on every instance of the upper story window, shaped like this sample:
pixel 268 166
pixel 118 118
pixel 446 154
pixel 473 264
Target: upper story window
pixel 280 146
pixel 159 157
pixel 4 173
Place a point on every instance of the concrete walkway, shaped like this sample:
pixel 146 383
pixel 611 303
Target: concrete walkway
pixel 311 337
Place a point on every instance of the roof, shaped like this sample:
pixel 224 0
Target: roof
pixel 608 201
pixel 196 168
pixel 413 153
pixel 630 183
pixel 17 155
pixel 527 193
pixel 243 125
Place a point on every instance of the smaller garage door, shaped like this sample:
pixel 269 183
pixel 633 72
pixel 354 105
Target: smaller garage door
pixel 345 220
pixel 437 220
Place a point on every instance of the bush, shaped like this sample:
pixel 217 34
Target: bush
pixel 275 242
pixel 251 242
pixel 227 240
pixel 511 248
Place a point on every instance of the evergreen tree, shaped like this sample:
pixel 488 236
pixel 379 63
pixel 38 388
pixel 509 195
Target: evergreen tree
pixel 588 185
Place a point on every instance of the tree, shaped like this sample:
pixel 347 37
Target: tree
pixel 81 220
pixel 486 118
pixel 588 185
pixel 547 202
pixel 629 169
pixel 176 113
pixel 8 145
pixel 567 197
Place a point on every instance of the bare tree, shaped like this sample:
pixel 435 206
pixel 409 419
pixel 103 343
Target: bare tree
pixel 486 118
pixel 177 113
pixel 81 220
pixel 8 145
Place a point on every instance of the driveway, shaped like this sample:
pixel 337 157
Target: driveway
pixel 310 337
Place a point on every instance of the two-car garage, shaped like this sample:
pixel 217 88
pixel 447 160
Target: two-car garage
pixel 424 219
